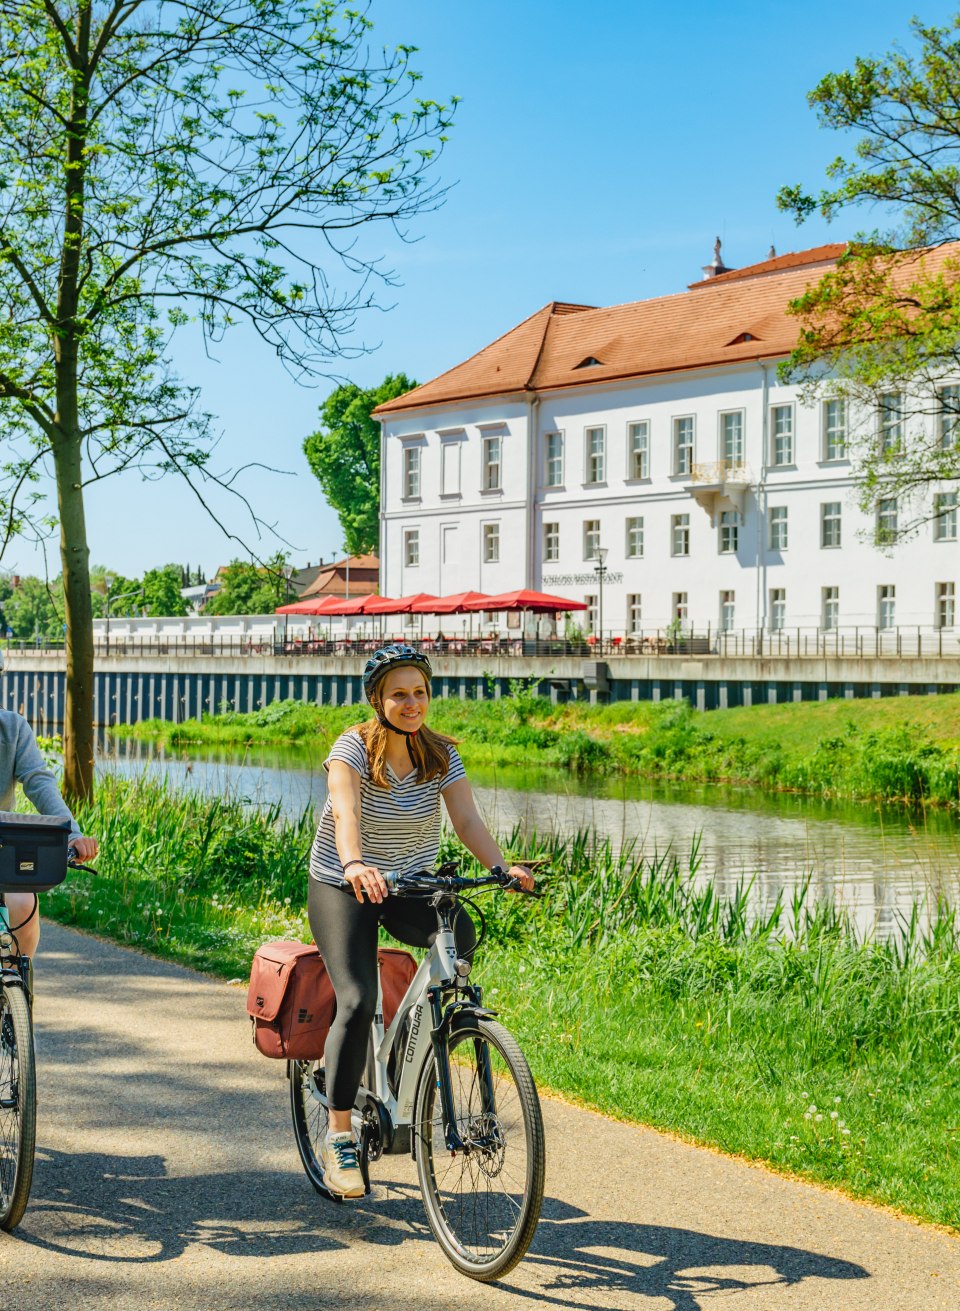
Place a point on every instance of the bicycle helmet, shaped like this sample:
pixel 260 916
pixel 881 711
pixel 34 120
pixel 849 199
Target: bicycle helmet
pixel 395 656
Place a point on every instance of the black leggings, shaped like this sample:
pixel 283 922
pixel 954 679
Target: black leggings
pixel 346 933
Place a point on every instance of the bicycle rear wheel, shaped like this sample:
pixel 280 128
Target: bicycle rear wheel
pixel 308 1092
pixel 18 1105
pixel 482 1203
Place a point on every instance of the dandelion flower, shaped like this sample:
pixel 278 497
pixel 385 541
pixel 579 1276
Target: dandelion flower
pixel 818 1118
pixel 812 1109
pixel 834 1114
pixel 845 1132
pixel 806 1115
pixel 836 1101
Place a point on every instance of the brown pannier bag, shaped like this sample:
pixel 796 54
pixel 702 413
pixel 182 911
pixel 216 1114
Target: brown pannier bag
pixel 291 1001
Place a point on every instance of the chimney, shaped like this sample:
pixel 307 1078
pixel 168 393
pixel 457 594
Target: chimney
pixel 14 581
pixel 716 265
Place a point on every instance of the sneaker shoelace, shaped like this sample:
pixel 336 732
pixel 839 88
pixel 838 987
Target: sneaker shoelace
pixel 346 1155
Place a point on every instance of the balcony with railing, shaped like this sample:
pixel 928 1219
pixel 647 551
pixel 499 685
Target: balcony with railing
pixel 721 485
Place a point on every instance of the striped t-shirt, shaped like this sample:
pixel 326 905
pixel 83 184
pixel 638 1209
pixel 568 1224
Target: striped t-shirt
pixel 399 825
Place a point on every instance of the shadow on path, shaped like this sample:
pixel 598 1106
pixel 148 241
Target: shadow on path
pixel 128 1209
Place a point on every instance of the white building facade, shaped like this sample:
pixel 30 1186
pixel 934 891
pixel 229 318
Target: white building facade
pixel 720 499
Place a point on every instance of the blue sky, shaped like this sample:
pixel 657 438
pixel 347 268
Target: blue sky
pixel 597 152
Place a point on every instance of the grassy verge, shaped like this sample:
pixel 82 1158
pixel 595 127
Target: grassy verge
pixel 781 1038
pixel 903 748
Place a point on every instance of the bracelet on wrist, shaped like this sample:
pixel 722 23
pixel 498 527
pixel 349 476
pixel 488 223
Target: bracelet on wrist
pixel 358 861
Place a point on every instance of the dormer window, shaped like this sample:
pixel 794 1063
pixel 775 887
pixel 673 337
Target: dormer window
pixel 589 363
pixel 744 336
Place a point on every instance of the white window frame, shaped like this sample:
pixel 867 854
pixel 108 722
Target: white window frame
pixel 728 610
pixel 592 612
pixel 778 528
pixel 735 460
pixel 945 517
pixel 551 542
pixel 681 607
pixel 886 606
pixel 412 473
pixel 830 608
pixel 591 538
pixel 680 534
pixel 834 419
pixel 945 614
pixel 634 613
pixel 728 532
pixel 890 428
pixel 781 442
pixel 948 420
pixel 887 525
pixel 683 454
pixel 638 450
pixel 595 461
pixel 411 548
pixel 553 462
pixel 490 537
pixel 835 520
pixel 633 545
pixel 778 609
pixel 492 462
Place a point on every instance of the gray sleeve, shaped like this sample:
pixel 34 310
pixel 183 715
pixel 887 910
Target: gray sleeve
pixel 36 777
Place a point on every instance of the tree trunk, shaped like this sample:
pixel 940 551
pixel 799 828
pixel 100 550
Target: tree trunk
pixel 78 730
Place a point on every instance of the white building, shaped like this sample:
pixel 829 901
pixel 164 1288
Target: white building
pixel 658 431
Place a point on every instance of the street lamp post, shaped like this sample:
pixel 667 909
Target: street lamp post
pixel 600 570
pixel 107 598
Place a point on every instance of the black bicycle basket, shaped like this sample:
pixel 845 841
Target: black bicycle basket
pixel 33 851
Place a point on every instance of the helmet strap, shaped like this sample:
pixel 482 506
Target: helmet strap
pixel 402 732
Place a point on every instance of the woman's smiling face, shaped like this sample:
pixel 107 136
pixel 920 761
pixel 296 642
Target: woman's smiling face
pixel 405 698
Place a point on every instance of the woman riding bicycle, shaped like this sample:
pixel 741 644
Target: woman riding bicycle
pixel 386 778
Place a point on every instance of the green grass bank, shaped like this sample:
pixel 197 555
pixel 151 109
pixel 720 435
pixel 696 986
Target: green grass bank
pixel 895 749
pixel 632 988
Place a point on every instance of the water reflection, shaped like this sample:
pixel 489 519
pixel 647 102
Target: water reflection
pixel 874 861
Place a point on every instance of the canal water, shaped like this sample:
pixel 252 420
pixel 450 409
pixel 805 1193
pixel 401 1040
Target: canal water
pixel 874 861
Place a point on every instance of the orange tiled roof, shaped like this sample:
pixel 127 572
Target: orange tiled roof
pixel 332 579
pixel 742 318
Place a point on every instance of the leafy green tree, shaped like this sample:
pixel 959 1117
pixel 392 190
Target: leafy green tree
pixel 212 160
pixel 251 589
pixel 34 610
pixel 345 456
pixel 881 331
pixel 161 591
pixel 126 594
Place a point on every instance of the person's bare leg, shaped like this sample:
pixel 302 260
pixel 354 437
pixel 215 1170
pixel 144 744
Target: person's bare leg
pixel 19 908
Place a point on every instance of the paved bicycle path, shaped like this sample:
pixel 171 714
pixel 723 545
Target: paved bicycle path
pixel 167 1175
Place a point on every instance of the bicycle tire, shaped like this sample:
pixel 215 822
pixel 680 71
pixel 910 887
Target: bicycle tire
pixel 310 1119
pixel 485 1216
pixel 18 1105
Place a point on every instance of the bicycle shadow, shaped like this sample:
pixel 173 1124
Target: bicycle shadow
pixel 128 1209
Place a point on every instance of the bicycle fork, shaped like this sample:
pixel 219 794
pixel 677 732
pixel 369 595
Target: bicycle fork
pixel 443 1021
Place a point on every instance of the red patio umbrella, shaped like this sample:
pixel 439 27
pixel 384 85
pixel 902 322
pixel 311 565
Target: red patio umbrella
pixel 315 605
pixel 383 605
pixel 526 599
pixel 457 604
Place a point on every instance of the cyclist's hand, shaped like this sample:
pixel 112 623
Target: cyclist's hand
pixel 523 876
pixel 85 849
pixel 366 879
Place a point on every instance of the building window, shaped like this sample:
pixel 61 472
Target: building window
pixel 886 606
pixel 891 421
pixel 945 521
pixel 595 439
pixel 591 538
pixel 778 528
pixel 731 438
pixel 551 542
pixel 835 430
pixel 491 543
pixel 946 604
pixel 450 468
pixel 680 608
pixel 411 472
pixel 781 421
pixel 886 521
pixel 680 534
pixel 729 531
pixel 830 607
pixel 634 613
pixel 830 523
pixel 591 611
pixel 683 445
pixel 638 448
pixel 778 609
pixel 634 546
pixel 411 547
pixel 553 459
pixel 727 600
pixel 949 417
pixel 491 464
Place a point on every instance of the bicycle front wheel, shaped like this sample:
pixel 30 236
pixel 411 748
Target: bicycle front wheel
pixel 18 1105
pixel 482 1201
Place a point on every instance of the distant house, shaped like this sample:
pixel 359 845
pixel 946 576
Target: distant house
pixel 356 575
pixel 197 595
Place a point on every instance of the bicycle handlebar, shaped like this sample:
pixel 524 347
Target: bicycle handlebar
pixel 433 881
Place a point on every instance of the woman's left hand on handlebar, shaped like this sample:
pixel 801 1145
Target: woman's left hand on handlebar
pixel 85 848
pixel 523 877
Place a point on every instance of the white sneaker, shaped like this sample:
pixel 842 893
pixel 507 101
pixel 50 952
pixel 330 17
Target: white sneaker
pixel 341 1168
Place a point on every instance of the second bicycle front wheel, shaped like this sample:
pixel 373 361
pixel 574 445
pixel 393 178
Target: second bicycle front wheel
pixel 18 1105
pixel 482 1200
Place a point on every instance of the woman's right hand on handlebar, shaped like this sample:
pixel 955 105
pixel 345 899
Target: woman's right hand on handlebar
pixel 366 879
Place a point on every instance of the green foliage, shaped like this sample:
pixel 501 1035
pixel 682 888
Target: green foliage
pixel 34 610
pixel 250 589
pixel 344 454
pixel 887 318
pixel 161 591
